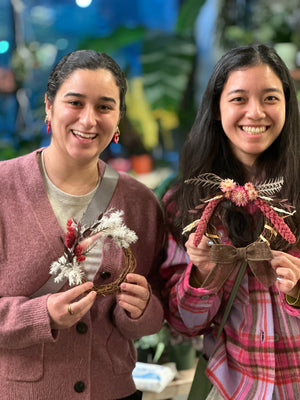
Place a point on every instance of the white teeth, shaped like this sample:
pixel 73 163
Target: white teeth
pixel 84 135
pixel 254 130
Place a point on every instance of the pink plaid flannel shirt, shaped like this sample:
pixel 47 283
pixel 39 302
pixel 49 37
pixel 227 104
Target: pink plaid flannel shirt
pixel 258 354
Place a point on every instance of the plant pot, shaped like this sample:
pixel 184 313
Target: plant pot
pixel 141 164
pixel 145 355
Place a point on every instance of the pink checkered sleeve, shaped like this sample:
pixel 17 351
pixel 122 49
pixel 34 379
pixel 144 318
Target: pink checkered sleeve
pixel 184 310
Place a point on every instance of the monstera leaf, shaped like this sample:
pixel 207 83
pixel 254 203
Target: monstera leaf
pixel 118 39
pixel 187 15
pixel 167 62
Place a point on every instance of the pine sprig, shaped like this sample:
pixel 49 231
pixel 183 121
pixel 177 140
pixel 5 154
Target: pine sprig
pixel 207 179
pixel 270 187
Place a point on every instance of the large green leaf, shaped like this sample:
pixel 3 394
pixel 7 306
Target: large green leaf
pixel 167 61
pixel 188 14
pixel 120 38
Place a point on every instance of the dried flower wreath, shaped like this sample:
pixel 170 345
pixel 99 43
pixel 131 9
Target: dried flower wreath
pixel 241 196
pixel 80 239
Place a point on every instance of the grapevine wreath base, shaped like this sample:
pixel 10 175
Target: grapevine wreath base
pixel 114 287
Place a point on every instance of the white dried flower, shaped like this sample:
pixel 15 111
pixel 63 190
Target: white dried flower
pixel 112 225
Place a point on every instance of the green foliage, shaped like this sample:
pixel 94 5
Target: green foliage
pixel 7 152
pixel 188 14
pixel 167 62
pixel 269 22
pixel 158 342
pixel 119 39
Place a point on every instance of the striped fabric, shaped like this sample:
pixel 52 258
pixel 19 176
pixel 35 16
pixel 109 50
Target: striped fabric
pixel 258 353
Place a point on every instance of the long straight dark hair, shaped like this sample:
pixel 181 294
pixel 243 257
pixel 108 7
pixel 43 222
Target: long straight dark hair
pixel 207 149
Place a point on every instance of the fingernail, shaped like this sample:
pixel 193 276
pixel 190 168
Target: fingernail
pixel 279 279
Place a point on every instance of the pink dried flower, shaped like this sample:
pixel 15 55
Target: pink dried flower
pixel 227 185
pixel 251 191
pixel 249 186
pixel 239 196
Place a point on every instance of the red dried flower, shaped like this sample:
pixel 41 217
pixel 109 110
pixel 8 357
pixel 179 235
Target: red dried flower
pixel 78 250
pixel 70 238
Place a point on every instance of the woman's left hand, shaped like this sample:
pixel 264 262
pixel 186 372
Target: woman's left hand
pixel 134 295
pixel 287 268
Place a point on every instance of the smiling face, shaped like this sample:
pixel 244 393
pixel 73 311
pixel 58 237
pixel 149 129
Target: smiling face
pixel 84 115
pixel 252 111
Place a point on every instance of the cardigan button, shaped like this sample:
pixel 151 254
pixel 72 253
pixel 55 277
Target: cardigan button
pixel 79 387
pixel 82 328
pixel 105 274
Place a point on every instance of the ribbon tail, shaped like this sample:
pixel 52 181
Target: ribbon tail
pixel 263 271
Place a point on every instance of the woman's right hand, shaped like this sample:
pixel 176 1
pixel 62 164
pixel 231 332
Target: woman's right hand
pixel 199 256
pixel 64 311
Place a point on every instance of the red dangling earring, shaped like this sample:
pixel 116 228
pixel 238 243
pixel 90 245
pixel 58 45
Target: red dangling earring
pixel 48 123
pixel 116 136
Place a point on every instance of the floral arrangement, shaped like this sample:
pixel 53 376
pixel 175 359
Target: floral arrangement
pixel 241 196
pixel 80 239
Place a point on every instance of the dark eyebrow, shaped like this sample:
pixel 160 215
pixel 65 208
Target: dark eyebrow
pixel 267 90
pixel 102 98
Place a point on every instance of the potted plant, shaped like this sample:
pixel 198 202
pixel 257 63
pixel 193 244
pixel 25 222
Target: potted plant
pixel 150 348
pixel 169 346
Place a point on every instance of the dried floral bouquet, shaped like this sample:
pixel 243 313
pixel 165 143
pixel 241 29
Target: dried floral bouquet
pixel 80 239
